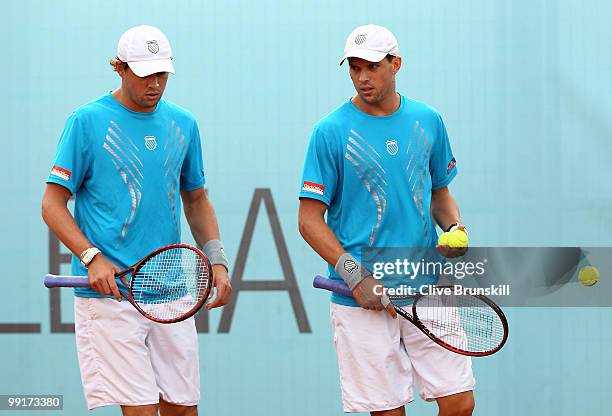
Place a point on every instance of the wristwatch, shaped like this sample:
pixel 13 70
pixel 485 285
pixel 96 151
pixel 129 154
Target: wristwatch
pixel 88 255
pixel 454 226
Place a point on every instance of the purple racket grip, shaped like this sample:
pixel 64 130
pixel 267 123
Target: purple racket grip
pixel 52 280
pixel 337 286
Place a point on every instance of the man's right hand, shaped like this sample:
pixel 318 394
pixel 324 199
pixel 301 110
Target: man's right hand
pixel 365 295
pixel 101 273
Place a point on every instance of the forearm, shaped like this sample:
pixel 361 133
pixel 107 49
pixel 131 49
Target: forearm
pixel 322 239
pixel 444 208
pixel 202 220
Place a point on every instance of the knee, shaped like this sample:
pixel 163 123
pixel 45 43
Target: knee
pixel 463 408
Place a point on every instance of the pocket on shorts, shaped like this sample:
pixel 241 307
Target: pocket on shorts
pixel 92 313
pixel 332 317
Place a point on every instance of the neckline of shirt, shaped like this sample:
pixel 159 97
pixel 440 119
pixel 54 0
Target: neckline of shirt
pixel 138 114
pixel 366 115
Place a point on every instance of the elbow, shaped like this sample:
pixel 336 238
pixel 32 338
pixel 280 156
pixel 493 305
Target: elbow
pixel 308 224
pixel 45 208
pixel 311 216
pixel 188 209
pixel 302 224
pixel 302 228
pixel 54 200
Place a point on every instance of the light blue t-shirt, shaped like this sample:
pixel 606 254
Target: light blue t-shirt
pixel 376 175
pixel 126 170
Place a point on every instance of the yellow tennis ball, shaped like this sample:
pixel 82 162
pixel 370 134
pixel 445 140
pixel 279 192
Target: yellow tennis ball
pixel 588 275
pixel 443 240
pixel 457 239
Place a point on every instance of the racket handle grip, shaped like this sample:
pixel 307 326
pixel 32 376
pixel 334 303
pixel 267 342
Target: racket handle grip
pixel 336 286
pixel 52 280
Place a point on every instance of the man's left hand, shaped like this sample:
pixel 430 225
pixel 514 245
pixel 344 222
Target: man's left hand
pixel 222 285
pixel 451 252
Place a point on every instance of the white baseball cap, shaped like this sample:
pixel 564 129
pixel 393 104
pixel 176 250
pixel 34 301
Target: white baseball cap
pixel 370 42
pixel 146 50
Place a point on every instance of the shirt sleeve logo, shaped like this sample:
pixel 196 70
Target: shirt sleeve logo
pixel 61 173
pixel 451 165
pixel 313 187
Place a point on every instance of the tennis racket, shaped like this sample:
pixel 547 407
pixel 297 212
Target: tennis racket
pixel 169 285
pixel 468 325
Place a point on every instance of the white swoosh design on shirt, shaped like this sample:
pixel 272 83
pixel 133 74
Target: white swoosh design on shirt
pixel 421 149
pixel 175 148
pixel 368 169
pixel 126 161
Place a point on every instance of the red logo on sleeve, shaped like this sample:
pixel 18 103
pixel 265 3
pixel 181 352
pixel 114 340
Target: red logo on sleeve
pixel 313 187
pixel 451 165
pixel 61 173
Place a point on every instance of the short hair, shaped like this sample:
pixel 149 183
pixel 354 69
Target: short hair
pixel 114 62
pixel 390 57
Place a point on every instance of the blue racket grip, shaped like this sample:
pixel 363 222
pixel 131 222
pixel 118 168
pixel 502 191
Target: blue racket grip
pixel 336 286
pixel 52 280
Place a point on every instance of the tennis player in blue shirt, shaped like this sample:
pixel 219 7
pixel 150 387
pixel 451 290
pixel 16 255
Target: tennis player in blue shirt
pixel 379 166
pixel 129 158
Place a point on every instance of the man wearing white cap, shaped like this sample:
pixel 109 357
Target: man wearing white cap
pixel 129 158
pixel 378 165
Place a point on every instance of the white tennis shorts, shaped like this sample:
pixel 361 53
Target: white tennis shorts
pixel 127 359
pixel 380 359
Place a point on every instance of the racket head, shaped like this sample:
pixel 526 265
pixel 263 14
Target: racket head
pixel 469 325
pixel 171 284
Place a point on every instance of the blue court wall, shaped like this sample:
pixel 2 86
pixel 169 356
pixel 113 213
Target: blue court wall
pixel 525 91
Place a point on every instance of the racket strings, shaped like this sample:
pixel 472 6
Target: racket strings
pixel 171 284
pixel 464 322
